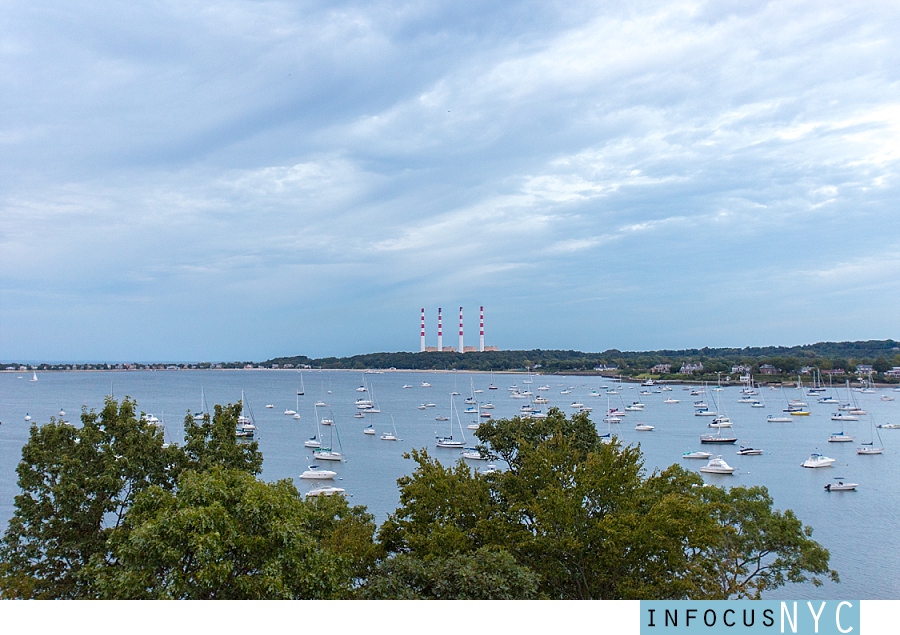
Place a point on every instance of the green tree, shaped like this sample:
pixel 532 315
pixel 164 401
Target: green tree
pixel 760 548
pixel 77 485
pixel 212 442
pixel 589 523
pixel 484 574
pixel 226 535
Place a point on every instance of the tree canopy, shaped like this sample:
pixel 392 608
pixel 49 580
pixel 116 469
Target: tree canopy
pixel 109 510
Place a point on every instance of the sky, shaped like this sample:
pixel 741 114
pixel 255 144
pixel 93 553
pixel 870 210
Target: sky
pixel 217 181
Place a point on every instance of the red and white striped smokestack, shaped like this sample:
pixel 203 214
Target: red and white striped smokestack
pixel 481 332
pixel 460 331
pixel 440 332
pixel 422 343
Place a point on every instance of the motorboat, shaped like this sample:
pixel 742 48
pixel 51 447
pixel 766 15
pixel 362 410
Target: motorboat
pixel 817 460
pixel 325 491
pixel 487 406
pixel 670 400
pixel 776 419
pixel 717 438
pixel 840 416
pixel 490 469
pixel 886 398
pixel 270 405
pixel 757 404
pixel 407 385
pixel 441 417
pixel 473 454
pixel 359 415
pixel 315 472
pixel 889 426
pixel 717 465
pixel 425 384
pixel 749 451
pixel 841 486
pixel 643 427
pixel 696 454
pixel 840 437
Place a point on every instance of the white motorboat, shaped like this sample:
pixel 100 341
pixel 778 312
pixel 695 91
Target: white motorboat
pixel 315 472
pixel 320 404
pixel 749 451
pixel 441 418
pixel 886 398
pixel 889 426
pixel 670 400
pixel 717 465
pixel 696 454
pixel 407 386
pixel 425 384
pixel 473 454
pixel 840 416
pixel 325 491
pixel 840 437
pixel 841 486
pixel 270 405
pixel 643 427
pixel 817 460
pixel 775 419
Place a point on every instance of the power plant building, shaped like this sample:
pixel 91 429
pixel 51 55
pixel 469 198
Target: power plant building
pixel 461 347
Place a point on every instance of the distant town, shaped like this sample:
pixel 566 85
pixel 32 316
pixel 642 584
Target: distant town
pixel 836 362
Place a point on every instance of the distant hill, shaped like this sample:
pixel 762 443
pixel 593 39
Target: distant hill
pixel 788 359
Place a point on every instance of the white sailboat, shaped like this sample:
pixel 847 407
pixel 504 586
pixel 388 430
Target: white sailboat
pixel 33 376
pixel 391 436
pixel 246 429
pixel 870 447
pixel 302 389
pixel 449 441
pixel 329 453
pixel 199 415
pixel 313 441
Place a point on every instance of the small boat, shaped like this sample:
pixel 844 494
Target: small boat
pixel 576 404
pixel 840 437
pixel 369 429
pixel 886 398
pixel 297 415
pixel 612 419
pixel 757 404
pixel 817 460
pixel 643 427
pixel 696 454
pixel 320 404
pixel 670 400
pixel 312 442
pixel 33 377
pixel 840 486
pixel 62 413
pixel 749 451
pixel 327 454
pixel 717 465
pixel 327 422
pixel 889 426
pixel 325 491
pixel 487 406
pixel 490 469
pixel 717 438
pixel 425 384
pixel 315 472
pixel 392 435
pixel 358 415
pixel 270 406
pixel 421 406
pixel 485 415
pixel 473 454
pixel 407 386
pixel 429 405
pixel 774 419
pixel 27 417
pixel 840 416
pixel 441 418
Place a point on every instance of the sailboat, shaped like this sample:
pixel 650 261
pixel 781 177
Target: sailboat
pixel 313 441
pixel 199 415
pixel 390 436
pixel 449 441
pixel 245 426
pixel 492 386
pixel 870 447
pixel 329 453
pixel 302 389
pixel 297 412
pixel 33 376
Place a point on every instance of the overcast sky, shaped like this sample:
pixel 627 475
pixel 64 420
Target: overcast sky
pixel 239 180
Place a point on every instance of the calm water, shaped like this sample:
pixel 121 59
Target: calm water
pixel 859 528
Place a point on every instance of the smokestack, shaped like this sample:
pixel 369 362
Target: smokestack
pixel 460 331
pixel 481 332
pixel 422 343
pixel 440 332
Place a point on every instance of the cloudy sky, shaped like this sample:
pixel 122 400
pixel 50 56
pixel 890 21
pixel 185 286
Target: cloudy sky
pixel 239 180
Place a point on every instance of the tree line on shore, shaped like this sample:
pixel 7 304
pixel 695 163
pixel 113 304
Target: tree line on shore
pixel 109 510
pixel 787 361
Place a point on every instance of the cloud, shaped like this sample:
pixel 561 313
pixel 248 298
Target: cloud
pixel 397 154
